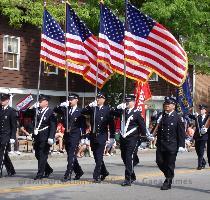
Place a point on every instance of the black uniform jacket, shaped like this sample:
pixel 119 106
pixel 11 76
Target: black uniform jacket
pixel 49 119
pixel 103 121
pixel 76 122
pixel 199 123
pixel 135 120
pixel 8 124
pixel 170 133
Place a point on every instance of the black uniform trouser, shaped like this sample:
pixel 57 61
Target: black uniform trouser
pixel 166 162
pixel 135 156
pixel 73 164
pixel 5 159
pixel 98 152
pixel 208 149
pixel 128 153
pixel 199 148
pixel 41 153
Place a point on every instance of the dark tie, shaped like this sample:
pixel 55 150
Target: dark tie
pixel 70 111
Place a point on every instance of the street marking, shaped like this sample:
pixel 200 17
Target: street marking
pixel 84 182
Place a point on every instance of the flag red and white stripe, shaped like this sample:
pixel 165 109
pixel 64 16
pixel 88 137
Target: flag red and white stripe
pixel 112 53
pixel 82 48
pixel 154 46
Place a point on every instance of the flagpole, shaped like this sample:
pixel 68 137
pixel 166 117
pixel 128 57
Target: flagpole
pixel 67 76
pixel 124 80
pixel 96 91
pixel 39 77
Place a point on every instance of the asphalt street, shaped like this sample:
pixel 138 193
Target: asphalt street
pixel 189 183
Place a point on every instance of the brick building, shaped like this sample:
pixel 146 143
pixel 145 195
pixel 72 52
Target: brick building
pixel 19 64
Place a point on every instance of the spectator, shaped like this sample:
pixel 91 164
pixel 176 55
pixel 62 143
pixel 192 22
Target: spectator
pixel 26 128
pixel 110 147
pixel 59 137
pixel 189 136
pixel 152 142
pixel 85 145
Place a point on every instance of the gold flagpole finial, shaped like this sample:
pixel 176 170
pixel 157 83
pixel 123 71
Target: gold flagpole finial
pixel 101 1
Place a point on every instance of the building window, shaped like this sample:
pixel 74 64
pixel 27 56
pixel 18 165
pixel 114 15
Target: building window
pixel 153 77
pixel 50 69
pixel 11 52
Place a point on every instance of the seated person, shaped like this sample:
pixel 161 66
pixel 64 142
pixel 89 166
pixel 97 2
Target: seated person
pixel 26 128
pixel 84 145
pixel 189 136
pixel 59 137
pixel 110 147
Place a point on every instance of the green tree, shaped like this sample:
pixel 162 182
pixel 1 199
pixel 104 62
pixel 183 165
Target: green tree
pixel 186 19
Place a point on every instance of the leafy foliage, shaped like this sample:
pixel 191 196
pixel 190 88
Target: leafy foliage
pixel 188 20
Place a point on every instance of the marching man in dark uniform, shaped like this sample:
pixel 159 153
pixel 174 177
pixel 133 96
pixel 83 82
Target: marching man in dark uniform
pixel 100 122
pixel 8 128
pixel 44 134
pixel 129 139
pixel 72 135
pixel 201 135
pixel 170 140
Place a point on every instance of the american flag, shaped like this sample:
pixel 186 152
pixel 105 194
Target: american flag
pixel 111 47
pixel 150 44
pixel 82 48
pixel 53 43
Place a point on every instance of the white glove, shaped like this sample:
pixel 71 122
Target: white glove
pixel 64 104
pixel 50 141
pixel 181 149
pixel 203 131
pixel 196 114
pixel 122 106
pixel 11 141
pixel 93 104
pixel 36 105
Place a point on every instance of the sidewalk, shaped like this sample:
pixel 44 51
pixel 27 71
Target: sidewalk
pixel 31 156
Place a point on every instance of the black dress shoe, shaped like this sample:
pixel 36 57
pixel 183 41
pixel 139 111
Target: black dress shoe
pixel 199 168
pixel 104 176
pixel 66 179
pixel 166 186
pixel 10 174
pixel 38 177
pixel 97 180
pixel 78 176
pixel 47 174
pixel 203 166
pixel 126 183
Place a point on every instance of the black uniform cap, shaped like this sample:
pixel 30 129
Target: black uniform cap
pixel 44 97
pixel 130 97
pixel 5 97
pixel 169 100
pixel 203 106
pixel 101 95
pixel 73 96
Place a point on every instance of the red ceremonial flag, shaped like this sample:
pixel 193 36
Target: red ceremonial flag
pixel 150 44
pixel 143 94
